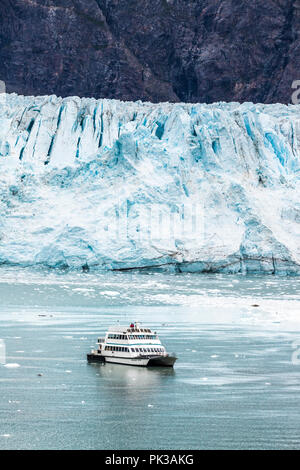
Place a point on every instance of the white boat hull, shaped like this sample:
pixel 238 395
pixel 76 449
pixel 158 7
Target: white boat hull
pixel 127 361
pixel 153 361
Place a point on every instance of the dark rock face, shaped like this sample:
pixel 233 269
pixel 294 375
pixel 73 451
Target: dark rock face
pixel 156 50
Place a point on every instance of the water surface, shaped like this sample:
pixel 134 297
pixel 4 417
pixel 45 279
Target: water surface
pixel 235 384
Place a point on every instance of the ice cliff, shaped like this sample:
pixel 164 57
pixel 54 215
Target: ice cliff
pixel 104 184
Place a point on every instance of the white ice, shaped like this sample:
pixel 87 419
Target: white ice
pixel 104 184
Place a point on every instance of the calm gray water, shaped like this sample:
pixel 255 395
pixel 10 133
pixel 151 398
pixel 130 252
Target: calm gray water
pixel 236 384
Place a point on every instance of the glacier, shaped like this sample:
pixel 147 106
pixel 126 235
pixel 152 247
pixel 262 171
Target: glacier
pixel 103 184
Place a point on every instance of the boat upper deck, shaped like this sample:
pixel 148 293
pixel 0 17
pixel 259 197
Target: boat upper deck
pixel 132 329
pixel 124 334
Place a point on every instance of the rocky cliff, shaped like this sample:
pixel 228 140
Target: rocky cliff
pixel 158 50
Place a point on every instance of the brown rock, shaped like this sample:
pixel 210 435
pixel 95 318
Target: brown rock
pixel 158 50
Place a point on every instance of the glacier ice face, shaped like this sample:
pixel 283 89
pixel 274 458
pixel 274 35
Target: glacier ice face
pixel 105 184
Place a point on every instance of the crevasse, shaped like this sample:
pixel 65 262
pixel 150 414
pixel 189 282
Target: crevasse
pixel 104 184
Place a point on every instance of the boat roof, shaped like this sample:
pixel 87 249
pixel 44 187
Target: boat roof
pixel 131 328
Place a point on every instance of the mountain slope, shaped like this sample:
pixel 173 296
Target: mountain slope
pixel 158 50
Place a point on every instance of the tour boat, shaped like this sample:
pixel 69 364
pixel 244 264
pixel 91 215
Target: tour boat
pixel 133 345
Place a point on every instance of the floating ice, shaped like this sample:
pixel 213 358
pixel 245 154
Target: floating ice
pixel 102 184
